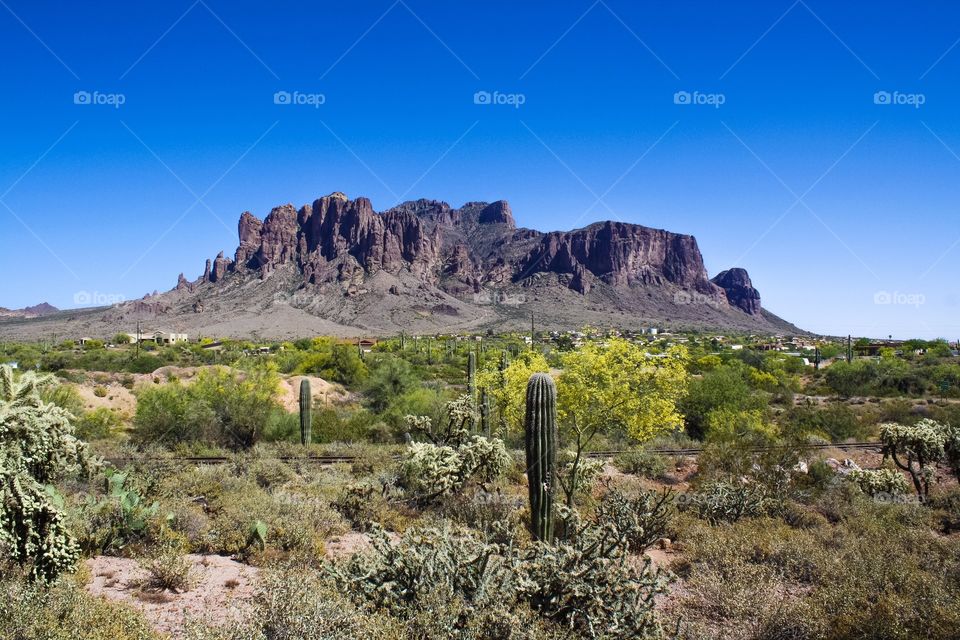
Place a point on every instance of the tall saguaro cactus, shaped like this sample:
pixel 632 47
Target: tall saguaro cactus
pixel 472 375
pixel 541 446
pixel 306 400
pixel 484 412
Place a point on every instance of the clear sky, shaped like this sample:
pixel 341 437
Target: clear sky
pixel 817 143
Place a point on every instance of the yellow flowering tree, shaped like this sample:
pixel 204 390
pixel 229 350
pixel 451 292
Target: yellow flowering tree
pixel 508 388
pixel 616 386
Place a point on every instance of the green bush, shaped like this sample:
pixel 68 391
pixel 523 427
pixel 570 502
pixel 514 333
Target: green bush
pixel 98 424
pixel 642 463
pixel 65 611
pixel 229 408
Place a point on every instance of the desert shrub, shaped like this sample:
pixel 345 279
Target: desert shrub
pixel 65 611
pixel 724 387
pixel 37 447
pixel 224 507
pixel 946 507
pixel 230 408
pixel 294 604
pixel 642 463
pixel 389 379
pixel 877 572
pixel 64 396
pixel 878 483
pixel 168 570
pixel 98 424
pixel 722 501
pixel 100 391
pixel 837 422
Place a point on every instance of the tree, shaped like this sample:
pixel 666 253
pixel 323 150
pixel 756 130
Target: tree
pixel 37 446
pixel 737 425
pixel 916 449
pixel 390 378
pixel 122 338
pixel 616 386
pixel 509 387
pixel 724 387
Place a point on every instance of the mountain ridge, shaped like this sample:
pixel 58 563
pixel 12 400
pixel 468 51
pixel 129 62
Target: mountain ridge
pixel 338 266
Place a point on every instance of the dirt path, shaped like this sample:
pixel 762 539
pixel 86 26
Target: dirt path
pixel 221 591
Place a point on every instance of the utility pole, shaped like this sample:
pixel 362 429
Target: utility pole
pixel 533 332
pixel 849 349
pixel 138 339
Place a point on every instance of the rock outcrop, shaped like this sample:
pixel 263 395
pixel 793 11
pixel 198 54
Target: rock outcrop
pixel 36 311
pixel 739 289
pixel 343 241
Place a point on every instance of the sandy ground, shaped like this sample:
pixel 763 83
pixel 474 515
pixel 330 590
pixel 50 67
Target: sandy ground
pixel 123 400
pixel 222 590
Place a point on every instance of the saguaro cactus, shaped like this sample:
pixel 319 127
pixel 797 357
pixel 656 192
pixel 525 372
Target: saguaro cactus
pixel 484 412
pixel 541 445
pixel 472 375
pixel 306 400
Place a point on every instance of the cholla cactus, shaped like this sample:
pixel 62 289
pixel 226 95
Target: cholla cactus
pixel 453 457
pixel 37 445
pixel 723 501
pixel 878 483
pixel 541 450
pixel 916 449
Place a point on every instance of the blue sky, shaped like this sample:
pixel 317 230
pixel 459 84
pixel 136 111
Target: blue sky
pixel 839 200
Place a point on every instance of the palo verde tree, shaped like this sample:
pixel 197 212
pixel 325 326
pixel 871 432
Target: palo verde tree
pixel 37 447
pixel 615 386
pixel 507 385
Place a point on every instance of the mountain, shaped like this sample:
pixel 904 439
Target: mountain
pixel 337 266
pixel 36 311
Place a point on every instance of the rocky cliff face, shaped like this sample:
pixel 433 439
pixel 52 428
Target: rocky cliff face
pixel 344 242
pixel 739 289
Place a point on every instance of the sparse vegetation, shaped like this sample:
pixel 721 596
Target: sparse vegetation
pixel 430 528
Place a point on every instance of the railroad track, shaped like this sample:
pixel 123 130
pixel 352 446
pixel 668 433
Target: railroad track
pixel 330 460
